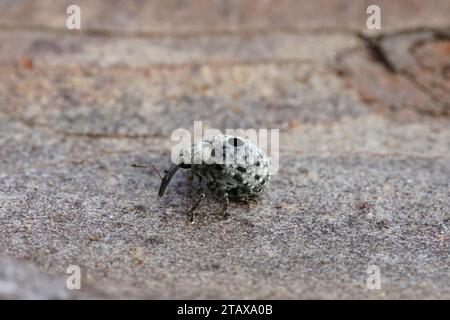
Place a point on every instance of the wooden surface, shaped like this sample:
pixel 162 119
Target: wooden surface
pixel 364 121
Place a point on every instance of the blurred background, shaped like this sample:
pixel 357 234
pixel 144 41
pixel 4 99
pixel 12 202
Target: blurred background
pixel 364 148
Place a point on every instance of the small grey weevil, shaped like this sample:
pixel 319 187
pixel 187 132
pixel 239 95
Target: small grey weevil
pixel 233 168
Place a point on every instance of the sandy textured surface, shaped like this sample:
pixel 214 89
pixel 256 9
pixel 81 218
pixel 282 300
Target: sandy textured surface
pixel 364 121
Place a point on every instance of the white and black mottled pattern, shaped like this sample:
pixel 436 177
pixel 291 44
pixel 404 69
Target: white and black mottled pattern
pixel 231 165
pixel 232 168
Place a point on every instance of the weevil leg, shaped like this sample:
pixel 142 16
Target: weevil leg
pixel 251 200
pixel 196 205
pixel 200 179
pixel 226 202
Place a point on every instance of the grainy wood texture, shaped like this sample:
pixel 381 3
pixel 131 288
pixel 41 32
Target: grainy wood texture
pixel 364 121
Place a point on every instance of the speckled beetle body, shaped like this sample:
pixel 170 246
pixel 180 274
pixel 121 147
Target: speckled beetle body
pixel 232 167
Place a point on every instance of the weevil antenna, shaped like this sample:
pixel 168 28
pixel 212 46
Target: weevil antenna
pixel 135 165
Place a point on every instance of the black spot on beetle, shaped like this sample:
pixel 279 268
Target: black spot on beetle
pixel 238 178
pixel 235 142
pixel 213 152
pixel 257 177
pixel 241 169
pixel 263 182
pixel 184 166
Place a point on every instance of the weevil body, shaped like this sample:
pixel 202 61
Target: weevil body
pixel 232 167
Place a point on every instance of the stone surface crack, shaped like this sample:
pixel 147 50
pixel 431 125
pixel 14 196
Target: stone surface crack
pixel 375 49
pixel 90 135
pixel 241 33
